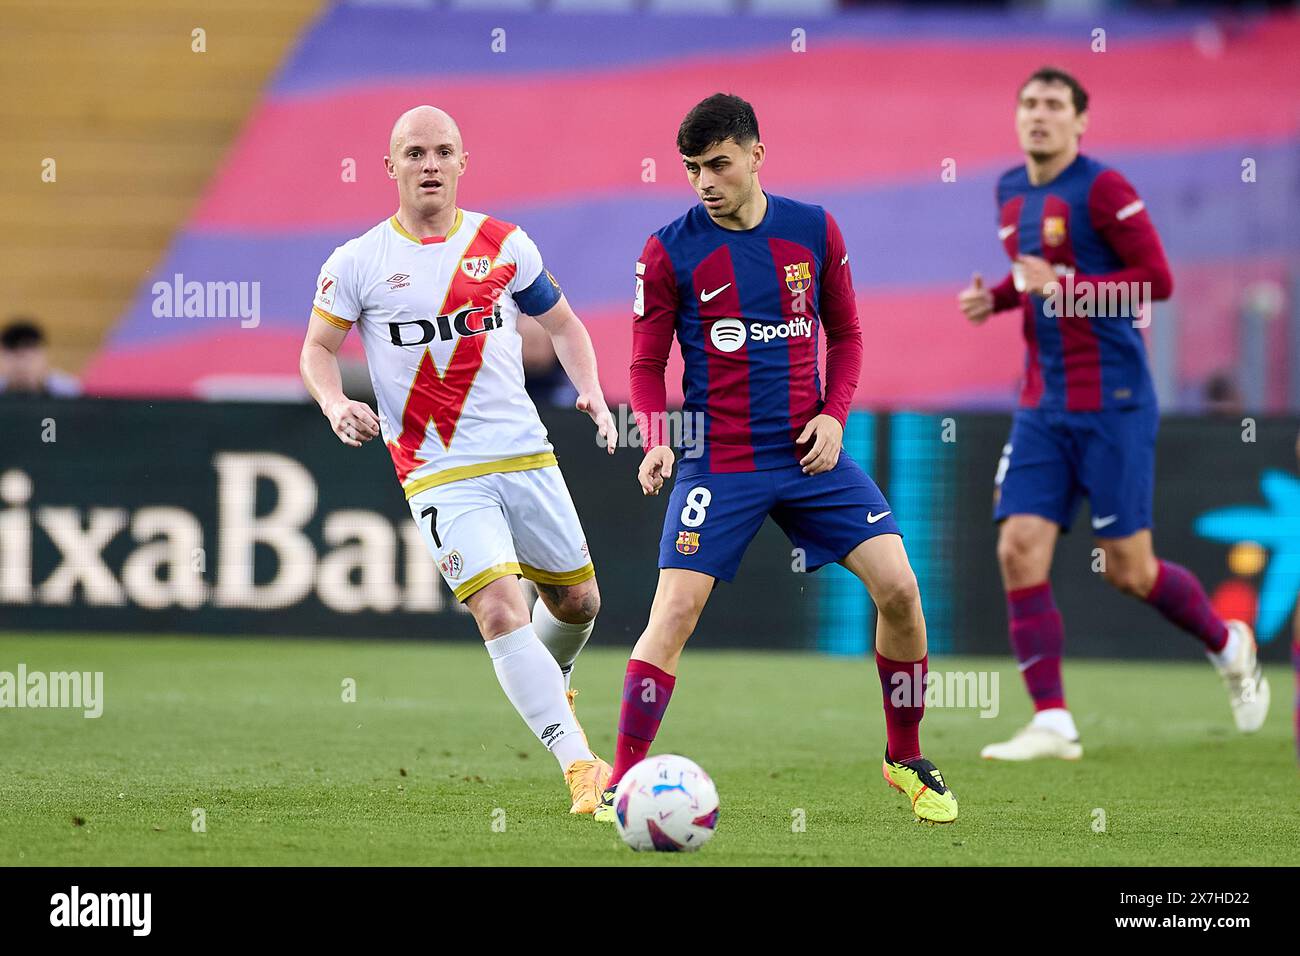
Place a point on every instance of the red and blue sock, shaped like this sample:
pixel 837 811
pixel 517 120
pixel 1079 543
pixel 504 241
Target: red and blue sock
pixel 904 705
pixel 1038 638
pixel 1181 599
pixel 646 692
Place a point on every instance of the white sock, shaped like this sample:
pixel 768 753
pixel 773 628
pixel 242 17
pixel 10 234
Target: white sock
pixel 1230 650
pixel 564 641
pixel 531 679
pixel 1058 719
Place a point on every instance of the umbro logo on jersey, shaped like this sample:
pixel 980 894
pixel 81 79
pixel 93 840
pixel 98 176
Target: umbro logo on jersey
pixel 397 281
pixel 444 327
pixel 706 296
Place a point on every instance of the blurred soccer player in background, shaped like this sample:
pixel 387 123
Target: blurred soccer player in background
pixel 744 280
pixel 470 451
pixel 1086 263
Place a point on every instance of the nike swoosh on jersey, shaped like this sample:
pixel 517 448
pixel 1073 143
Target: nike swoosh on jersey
pixel 872 519
pixel 1099 523
pixel 1006 231
pixel 705 295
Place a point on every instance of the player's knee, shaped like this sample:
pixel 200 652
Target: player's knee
pixel 581 603
pixel 1017 555
pixel 572 604
pixel 680 622
pixel 1012 551
pixel 899 599
pixel 676 621
pixel 1129 577
pixel 492 626
pixel 495 618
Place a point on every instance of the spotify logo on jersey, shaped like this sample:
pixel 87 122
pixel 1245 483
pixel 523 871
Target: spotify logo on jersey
pixel 728 335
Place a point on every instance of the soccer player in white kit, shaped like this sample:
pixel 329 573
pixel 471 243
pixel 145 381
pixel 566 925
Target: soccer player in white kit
pixel 435 292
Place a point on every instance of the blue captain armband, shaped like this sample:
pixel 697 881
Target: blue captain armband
pixel 540 297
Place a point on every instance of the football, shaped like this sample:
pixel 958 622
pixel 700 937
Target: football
pixel 666 803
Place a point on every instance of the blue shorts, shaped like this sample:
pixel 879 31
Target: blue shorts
pixel 712 517
pixel 1054 459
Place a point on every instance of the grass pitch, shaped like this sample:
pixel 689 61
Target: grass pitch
pixel 430 765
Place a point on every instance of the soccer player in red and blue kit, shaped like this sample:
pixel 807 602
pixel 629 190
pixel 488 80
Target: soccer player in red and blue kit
pixel 1086 259
pixel 744 280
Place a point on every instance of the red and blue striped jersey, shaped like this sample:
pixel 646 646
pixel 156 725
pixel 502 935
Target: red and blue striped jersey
pixel 746 307
pixel 1089 224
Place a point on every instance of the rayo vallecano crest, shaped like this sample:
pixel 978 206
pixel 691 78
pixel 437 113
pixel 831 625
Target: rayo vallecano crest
pixel 476 267
pixel 452 565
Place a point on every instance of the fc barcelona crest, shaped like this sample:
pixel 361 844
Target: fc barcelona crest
pixel 1054 230
pixel 688 542
pixel 798 277
pixel 476 267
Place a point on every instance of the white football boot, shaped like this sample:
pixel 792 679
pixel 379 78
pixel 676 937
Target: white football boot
pixel 1247 686
pixel 1042 738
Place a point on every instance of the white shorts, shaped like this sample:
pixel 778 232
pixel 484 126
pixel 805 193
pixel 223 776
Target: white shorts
pixel 520 522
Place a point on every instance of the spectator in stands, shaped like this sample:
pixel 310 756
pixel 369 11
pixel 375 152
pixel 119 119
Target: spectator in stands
pixel 1221 395
pixel 25 363
pixel 544 377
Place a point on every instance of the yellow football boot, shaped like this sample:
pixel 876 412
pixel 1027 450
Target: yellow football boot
pixel 921 782
pixel 605 811
pixel 586 780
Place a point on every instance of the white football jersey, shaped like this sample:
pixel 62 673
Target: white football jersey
pixel 438 323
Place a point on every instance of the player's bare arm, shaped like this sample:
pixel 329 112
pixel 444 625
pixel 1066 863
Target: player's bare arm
pixel 353 422
pixel 578 358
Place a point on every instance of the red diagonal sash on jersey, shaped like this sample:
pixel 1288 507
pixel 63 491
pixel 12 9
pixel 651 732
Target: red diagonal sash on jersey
pixel 440 399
